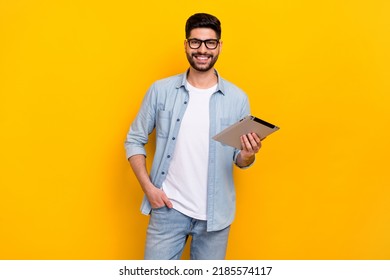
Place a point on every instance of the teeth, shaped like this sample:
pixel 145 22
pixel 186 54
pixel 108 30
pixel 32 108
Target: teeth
pixel 202 57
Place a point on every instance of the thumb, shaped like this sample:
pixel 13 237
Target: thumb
pixel 166 200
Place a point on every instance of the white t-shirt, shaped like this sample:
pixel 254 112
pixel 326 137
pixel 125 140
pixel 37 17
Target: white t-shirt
pixel 186 180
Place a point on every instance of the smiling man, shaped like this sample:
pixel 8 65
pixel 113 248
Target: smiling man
pixel 190 190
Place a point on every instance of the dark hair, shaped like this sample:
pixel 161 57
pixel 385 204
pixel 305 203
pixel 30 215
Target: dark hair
pixel 202 20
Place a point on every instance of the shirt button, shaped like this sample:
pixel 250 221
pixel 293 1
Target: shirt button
pixel 173 138
pixel 163 173
pixel 178 120
pixel 168 156
pixel 185 102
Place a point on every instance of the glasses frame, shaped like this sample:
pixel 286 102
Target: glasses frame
pixel 203 42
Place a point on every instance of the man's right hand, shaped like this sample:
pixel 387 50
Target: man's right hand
pixel 157 198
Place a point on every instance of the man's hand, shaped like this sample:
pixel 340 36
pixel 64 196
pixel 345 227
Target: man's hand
pixel 251 145
pixel 157 198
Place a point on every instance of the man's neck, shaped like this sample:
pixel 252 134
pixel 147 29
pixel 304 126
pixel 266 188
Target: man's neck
pixel 200 79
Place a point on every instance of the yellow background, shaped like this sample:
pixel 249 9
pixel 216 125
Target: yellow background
pixel 73 74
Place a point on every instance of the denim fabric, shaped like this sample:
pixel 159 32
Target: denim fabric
pixel 162 109
pixel 168 231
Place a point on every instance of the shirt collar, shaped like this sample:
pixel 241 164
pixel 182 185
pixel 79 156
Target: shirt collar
pixel 183 82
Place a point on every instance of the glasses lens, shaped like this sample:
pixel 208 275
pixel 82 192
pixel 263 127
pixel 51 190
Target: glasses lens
pixel 211 44
pixel 194 44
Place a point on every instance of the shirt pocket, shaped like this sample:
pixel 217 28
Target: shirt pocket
pixel 226 122
pixel 163 123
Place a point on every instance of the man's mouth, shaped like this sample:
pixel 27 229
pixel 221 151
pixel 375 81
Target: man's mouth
pixel 201 57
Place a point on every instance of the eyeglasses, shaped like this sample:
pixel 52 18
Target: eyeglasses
pixel 211 44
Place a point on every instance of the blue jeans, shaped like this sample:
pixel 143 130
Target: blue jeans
pixel 168 231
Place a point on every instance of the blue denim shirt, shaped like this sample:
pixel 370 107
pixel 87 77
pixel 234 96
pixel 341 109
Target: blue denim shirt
pixel 162 109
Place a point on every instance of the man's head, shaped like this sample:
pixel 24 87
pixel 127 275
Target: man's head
pixel 203 20
pixel 202 44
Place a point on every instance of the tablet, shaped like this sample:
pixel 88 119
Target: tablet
pixel 231 135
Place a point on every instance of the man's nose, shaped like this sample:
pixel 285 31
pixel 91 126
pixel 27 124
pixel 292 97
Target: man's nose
pixel 202 47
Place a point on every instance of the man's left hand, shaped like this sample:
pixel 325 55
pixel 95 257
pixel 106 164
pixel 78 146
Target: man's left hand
pixel 251 145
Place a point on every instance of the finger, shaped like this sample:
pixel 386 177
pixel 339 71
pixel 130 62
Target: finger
pixel 243 145
pixel 166 201
pixel 257 140
pixel 246 144
pixel 254 141
pixel 256 137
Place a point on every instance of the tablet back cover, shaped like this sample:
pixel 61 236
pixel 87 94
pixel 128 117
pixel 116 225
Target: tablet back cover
pixel 231 135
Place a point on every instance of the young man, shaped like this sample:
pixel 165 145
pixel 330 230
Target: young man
pixel 190 190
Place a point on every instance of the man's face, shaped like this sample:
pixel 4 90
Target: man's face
pixel 203 58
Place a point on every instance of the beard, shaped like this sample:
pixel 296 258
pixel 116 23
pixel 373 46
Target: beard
pixel 200 65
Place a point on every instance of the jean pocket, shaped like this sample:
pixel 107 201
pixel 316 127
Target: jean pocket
pixel 159 208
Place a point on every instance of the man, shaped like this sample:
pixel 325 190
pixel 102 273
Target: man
pixel 190 189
